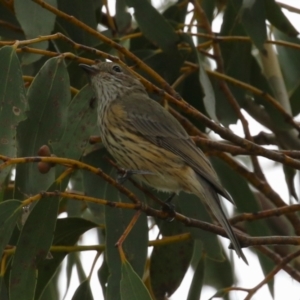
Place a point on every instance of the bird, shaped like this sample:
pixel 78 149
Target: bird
pixel 148 141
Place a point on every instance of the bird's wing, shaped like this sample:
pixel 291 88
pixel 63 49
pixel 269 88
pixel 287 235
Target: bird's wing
pixel 158 126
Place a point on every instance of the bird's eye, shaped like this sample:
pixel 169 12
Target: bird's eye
pixel 117 69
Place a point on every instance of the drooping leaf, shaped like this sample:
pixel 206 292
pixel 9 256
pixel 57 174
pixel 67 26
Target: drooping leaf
pixel 10 211
pixel 103 274
pixel 193 207
pixel 197 281
pixel 13 31
pixel 32 248
pixel 162 33
pixel 66 233
pixel 80 125
pixel 95 186
pixel 278 19
pixel 35 21
pixel 3 289
pixel 169 263
pixel 85 12
pixel 123 18
pixel 209 95
pixel 132 287
pixel 83 291
pixel 135 246
pixel 253 17
pixel 48 96
pixel 289 62
pixel 12 104
pixel 176 12
pixel 245 202
pixel 237 58
pixel 221 279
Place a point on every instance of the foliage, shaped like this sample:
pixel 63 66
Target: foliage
pixel 53 162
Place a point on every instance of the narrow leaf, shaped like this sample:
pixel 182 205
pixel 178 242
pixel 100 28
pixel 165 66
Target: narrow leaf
pixel 32 248
pixel 132 287
pixel 12 103
pixel 278 19
pixel 48 97
pixel 35 21
pixel 81 124
pixel 67 233
pixel 197 281
pixel 83 291
pixel 169 263
pixel 209 95
pixel 10 211
pixel 135 246
pixel 162 34
pixel 253 17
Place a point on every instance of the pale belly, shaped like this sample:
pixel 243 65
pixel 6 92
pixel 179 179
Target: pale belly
pixel 167 169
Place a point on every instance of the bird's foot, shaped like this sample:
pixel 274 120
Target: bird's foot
pixel 169 208
pixel 123 175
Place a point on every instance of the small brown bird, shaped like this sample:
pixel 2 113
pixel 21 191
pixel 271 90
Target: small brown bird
pixel 147 140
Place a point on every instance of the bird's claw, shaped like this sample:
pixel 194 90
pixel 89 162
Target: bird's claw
pixel 169 208
pixel 123 175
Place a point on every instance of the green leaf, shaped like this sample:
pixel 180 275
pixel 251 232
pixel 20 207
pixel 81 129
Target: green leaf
pixel 74 207
pixel 191 88
pixel 277 120
pixel 234 55
pixel 245 201
pixel 135 246
pixel 32 248
pixel 289 60
pixel 35 21
pixel 12 103
pixel 209 95
pixel 209 9
pixel 278 19
pixel 163 64
pixel 123 18
pixel 192 207
pixel 132 287
pixel 67 233
pixel 169 263
pixel 10 212
pixel 221 279
pixel 242 195
pixel 14 31
pixel 95 186
pixel 3 289
pixel 83 291
pixel 48 97
pixel 52 289
pixel 289 174
pixel 83 11
pixel 197 281
pixel 220 294
pixel 81 124
pixel 177 12
pixel 162 34
pixel 103 274
pixel 253 17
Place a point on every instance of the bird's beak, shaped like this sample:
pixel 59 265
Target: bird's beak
pixel 90 70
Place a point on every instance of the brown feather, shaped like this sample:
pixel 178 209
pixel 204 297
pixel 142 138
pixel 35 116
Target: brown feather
pixel 162 129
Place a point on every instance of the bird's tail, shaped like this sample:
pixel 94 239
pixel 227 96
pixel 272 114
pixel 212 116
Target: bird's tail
pixel 213 201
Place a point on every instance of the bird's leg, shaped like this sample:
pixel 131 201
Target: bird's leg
pixel 169 207
pixel 124 174
pixel 170 198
